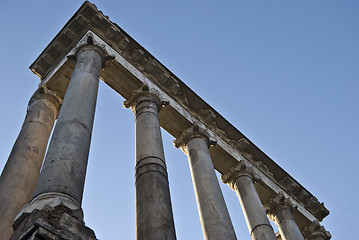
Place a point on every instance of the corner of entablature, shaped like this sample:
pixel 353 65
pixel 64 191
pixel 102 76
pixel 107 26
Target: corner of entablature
pixel 242 169
pixel 145 90
pixel 194 131
pixel 89 41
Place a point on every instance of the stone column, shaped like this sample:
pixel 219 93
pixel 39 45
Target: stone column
pixel 215 219
pixel 279 210
pixel 316 232
pixel 63 173
pixel 241 180
pixel 154 219
pixel 22 169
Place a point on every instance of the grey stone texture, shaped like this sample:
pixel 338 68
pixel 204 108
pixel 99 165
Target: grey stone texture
pixel 316 232
pixel 52 223
pixel 22 169
pixel 65 163
pixel 241 179
pixel 214 216
pixel 279 210
pixel 154 218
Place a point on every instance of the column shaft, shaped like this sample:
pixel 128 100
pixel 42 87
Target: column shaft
pixel 287 226
pixel 215 219
pixel 66 160
pixel 154 219
pixel 20 174
pixel 241 179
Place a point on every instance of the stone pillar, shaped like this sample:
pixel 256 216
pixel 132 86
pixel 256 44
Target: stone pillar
pixel 316 232
pixel 241 180
pixel 279 210
pixel 154 218
pixel 22 169
pixel 64 169
pixel 215 219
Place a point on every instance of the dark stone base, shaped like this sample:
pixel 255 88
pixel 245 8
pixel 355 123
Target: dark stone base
pixel 52 223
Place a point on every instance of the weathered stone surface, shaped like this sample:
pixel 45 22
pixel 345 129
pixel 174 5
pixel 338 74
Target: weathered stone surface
pixel 154 218
pixel 65 164
pixel 316 232
pixel 58 223
pixel 19 177
pixel 279 210
pixel 214 216
pixel 241 179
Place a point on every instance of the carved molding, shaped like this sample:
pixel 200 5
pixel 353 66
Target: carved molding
pixel 241 144
pixel 208 117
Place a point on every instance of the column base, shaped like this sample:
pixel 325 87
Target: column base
pixel 59 222
pixel 51 199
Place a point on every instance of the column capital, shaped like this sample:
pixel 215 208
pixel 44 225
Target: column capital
pixel 44 93
pixel 195 131
pixel 242 169
pixel 316 231
pixel 143 92
pixel 276 204
pixel 90 43
pixel 50 98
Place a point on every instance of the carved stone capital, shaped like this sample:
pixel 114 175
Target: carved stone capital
pixel 90 43
pixel 276 204
pixel 145 91
pixel 195 131
pixel 242 169
pixel 44 93
pixel 316 231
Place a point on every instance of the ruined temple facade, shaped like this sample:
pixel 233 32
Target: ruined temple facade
pixel 47 204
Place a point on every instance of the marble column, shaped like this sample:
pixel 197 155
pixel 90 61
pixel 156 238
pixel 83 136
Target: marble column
pixel 215 219
pixel 22 169
pixel 241 180
pixel 154 218
pixel 63 173
pixel 279 210
pixel 316 232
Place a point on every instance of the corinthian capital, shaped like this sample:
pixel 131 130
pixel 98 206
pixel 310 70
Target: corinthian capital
pixel 89 42
pixel 242 169
pixel 195 131
pixel 277 203
pixel 145 91
pixel 316 231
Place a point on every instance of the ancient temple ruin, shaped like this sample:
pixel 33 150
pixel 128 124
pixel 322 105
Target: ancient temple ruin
pixel 47 204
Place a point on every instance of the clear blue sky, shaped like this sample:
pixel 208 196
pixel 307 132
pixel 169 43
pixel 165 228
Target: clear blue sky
pixel 285 73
